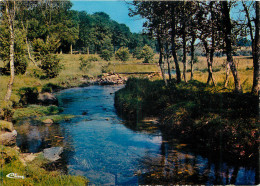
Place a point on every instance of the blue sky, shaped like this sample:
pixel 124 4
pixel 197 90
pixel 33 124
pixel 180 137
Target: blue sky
pixel 116 9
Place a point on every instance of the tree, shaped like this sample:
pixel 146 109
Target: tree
pixel 122 54
pixel 254 44
pixel 208 20
pixel 173 6
pixel 227 29
pixel 10 9
pixel 147 53
pixel 107 49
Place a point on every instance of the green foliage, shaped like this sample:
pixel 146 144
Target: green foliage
pixel 50 65
pixel 56 118
pixel 6 126
pixel 194 113
pixel 28 95
pixel 20 57
pixel 93 58
pixel 42 47
pixel 35 111
pixel 8 154
pixel 122 54
pixel 85 64
pixel 147 53
pixel 106 54
pixel 50 87
pixel 33 171
pixel 137 53
pixel 107 49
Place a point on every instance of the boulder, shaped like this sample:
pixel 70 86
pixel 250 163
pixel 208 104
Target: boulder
pixel 8 138
pixel 53 153
pixel 48 121
pixel 47 98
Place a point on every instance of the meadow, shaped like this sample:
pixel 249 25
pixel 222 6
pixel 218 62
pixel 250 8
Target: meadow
pixel 71 75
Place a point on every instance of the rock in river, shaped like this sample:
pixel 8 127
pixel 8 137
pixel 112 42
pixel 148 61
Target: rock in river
pixel 52 153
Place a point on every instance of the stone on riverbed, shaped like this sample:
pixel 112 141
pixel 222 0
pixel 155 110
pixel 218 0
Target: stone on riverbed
pixel 52 153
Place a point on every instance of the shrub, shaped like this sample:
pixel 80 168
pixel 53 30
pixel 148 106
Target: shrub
pixel 93 58
pixel 122 54
pixel 20 64
pixel 106 54
pixel 147 53
pixel 50 87
pixel 50 65
pixel 85 63
pixel 138 53
pixel 28 95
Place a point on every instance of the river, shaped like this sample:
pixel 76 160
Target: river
pixel 108 151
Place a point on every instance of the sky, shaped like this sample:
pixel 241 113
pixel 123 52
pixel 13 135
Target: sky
pixel 116 9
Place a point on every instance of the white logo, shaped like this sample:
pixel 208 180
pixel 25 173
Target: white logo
pixel 14 175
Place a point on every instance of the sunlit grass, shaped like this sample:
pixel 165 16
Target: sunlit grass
pixel 71 75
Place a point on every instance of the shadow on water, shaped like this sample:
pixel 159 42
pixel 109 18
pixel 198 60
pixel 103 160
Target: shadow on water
pixel 108 150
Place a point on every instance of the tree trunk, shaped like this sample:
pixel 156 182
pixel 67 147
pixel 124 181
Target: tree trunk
pixel 184 61
pixel 173 35
pixel 209 64
pixel 29 53
pixel 192 56
pixel 227 32
pixel 160 60
pixel 227 75
pixel 168 61
pixel 71 52
pixel 256 61
pixel 11 30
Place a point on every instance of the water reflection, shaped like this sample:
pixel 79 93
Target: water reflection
pixel 34 136
pixel 175 166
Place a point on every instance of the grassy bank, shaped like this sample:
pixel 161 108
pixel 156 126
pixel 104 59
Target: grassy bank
pixel 22 105
pixel 196 113
pixel 33 171
pixel 70 76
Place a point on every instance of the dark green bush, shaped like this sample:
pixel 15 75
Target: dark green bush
pixel 92 58
pixel 50 87
pixel 85 64
pixel 147 53
pixel 122 54
pixel 50 64
pixel 28 95
pixel 106 54
pixel 137 53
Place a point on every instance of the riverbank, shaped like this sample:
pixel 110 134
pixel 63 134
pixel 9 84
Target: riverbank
pixel 208 117
pixel 32 98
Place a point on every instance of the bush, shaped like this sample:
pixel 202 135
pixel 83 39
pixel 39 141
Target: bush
pixel 147 53
pixel 106 54
pixel 85 64
pixel 93 58
pixel 20 64
pixel 138 53
pixel 50 65
pixel 122 54
pixel 50 87
pixel 28 95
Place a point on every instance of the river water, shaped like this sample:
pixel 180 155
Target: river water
pixel 108 151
